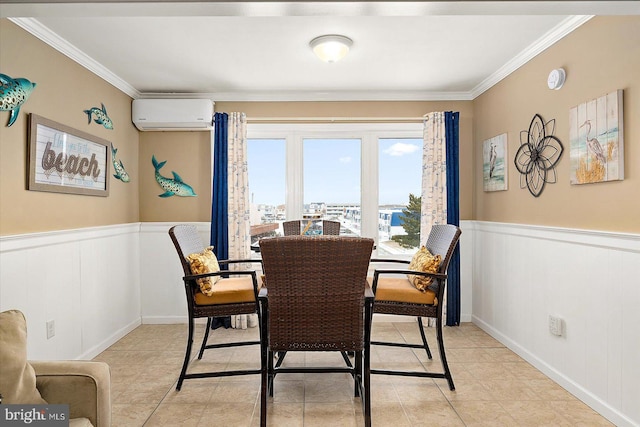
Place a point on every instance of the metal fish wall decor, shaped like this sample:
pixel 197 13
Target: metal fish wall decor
pixel 120 174
pixel 173 186
pixel 14 93
pixel 99 116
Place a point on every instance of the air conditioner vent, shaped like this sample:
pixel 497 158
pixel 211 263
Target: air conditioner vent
pixel 172 114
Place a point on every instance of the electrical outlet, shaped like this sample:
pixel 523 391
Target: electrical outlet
pixel 556 325
pixel 51 329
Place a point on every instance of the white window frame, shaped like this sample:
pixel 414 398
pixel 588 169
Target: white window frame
pixel 367 133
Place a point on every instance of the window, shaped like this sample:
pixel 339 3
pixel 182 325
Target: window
pixel 355 173
pixel 267 185
pixel 332 181
pixel 400 178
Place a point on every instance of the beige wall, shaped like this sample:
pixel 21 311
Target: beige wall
pixel 186 153
pixel 64 89
pixel 601 56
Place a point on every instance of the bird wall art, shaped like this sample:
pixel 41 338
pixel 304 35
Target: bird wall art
pixel 596 139
pixel 13 94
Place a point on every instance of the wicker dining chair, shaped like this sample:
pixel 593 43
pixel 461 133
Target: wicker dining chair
pixel 396 295
pixel 316 298
pixel 292 228
pixel 330 228
pixel 236 292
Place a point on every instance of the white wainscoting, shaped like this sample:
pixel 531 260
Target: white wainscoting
pixel 86 280
pixel 100 283
pixel 522 274
pixel 161 285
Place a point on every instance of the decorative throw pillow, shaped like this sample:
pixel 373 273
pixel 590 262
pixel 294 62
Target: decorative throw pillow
pixel 17 377
pixel 424 261
pixel 205 262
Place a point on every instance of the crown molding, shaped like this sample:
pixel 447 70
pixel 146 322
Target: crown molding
pixel 36 28
pixel 311 96
pixel 551 37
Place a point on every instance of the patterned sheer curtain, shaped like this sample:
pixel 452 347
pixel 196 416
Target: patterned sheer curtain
pixel 238 203
pixel 434 173
pixel 440 194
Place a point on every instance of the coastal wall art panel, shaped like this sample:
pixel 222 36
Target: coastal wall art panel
pixel 597 140
pixel 65 160
pixel 494 166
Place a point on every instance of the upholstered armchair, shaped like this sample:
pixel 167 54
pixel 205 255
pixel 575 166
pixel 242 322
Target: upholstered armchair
pixel 83 385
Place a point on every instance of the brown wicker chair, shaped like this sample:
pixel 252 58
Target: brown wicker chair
pixel 318 299
pixel 442 241
pixel 330 228
pixel 239 289
pixel 292 228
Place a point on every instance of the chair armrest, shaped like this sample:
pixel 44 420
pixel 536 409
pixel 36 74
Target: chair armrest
pixel 85 386
pixel 377 273
pixel 192 277
pixel 368 292
pixel 240 261
pixel 439 276
pixel 399 261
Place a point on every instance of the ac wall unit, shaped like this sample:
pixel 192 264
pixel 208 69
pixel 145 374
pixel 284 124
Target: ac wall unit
pixel 172 114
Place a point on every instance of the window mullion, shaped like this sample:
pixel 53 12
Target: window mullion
pixel 295 184
pixel 369 189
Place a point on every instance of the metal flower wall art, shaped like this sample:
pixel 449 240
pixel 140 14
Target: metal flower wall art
pixel 538 154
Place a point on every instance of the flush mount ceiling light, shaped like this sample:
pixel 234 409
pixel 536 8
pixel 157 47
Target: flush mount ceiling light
pixel 331 48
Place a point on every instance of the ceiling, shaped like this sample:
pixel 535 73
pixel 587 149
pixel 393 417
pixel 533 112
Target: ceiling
pixel 259 51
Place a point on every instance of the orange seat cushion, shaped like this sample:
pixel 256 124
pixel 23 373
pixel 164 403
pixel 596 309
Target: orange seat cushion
pixel 400 289
pixel 228 291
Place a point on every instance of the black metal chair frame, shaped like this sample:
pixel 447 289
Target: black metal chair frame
pixel 442 240
pixel 359 370
pixel 187 241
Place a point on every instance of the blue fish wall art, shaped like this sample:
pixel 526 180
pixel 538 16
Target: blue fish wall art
pixel 170 186
pixel 120 174
pixel 99 116
pixel 14 93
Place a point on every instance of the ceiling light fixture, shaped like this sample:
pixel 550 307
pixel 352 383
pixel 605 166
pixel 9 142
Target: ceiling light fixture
pixel 331 48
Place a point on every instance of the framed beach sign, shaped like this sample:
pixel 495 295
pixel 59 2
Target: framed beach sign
pixel 66 160
pixel 494 164
pixel 597 140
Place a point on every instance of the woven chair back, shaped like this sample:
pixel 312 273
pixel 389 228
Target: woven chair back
pixel 330 228
pixel 442 241
pixel 316 292
pixel 291 228
pixel 187 241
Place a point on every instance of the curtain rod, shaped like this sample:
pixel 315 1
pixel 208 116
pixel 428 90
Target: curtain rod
pixel 335 119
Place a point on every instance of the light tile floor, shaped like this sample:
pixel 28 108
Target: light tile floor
pixel 494 386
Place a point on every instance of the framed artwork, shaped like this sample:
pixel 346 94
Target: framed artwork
pixel 597 140
pixel 494 166
pixel 66 160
